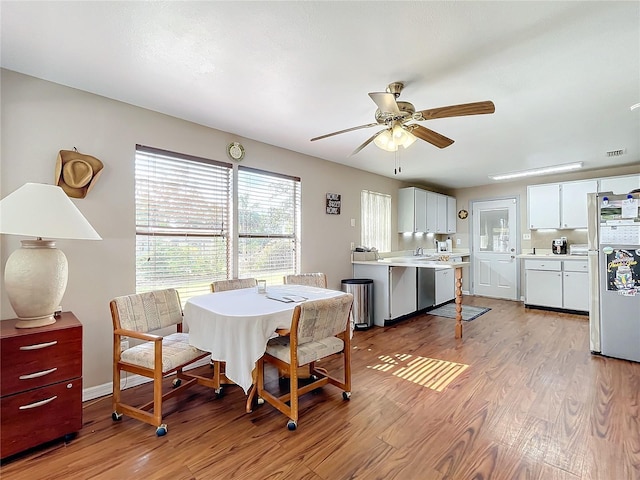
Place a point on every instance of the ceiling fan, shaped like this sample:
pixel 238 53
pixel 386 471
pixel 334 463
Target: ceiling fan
pixel 395 117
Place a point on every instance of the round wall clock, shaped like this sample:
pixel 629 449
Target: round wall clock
pixel 235 151
pixel 462 214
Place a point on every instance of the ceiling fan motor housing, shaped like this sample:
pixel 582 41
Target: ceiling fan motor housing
pixel 406 113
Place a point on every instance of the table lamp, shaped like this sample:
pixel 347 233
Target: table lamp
pixel 35 276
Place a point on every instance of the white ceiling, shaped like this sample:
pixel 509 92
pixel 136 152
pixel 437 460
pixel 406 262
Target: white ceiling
pixel 562 75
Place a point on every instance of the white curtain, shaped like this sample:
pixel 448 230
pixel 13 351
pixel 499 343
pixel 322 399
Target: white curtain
pixel 376 220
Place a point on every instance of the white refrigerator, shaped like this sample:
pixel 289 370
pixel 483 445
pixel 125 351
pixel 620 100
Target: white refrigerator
pixel 614 274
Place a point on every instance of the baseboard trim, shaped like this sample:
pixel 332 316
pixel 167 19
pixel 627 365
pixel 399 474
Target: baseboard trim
pixel 129 381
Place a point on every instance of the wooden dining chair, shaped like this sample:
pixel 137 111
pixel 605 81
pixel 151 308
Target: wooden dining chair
pixel 310 279
pixel 136 317
pixel 319 329
pixel 233 284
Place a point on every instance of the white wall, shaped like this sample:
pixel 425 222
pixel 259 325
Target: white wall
pixel 40 118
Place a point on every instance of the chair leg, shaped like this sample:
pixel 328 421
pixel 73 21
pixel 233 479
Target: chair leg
pixel 293 401
pixel 116 393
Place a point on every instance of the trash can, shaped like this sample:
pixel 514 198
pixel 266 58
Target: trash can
pixel 362 291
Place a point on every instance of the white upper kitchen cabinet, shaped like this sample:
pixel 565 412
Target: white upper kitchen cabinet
pixel 412 210
pixel 432 212
pixel 559 205
pixel 442 213
pixel 573 201
pixel 619 185
pixel 543 202
pixel 451 215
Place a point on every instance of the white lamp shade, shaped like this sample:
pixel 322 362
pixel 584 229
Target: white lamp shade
pixel 40 210
pixel 35 276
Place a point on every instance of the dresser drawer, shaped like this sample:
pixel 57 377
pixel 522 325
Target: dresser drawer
pixel 42 357
pixel 46 413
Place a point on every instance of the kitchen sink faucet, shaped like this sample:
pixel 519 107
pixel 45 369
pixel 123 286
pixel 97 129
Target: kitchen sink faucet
pixel 419 251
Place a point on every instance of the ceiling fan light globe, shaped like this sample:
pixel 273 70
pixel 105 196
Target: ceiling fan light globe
pixel 385 141
pixel 408 140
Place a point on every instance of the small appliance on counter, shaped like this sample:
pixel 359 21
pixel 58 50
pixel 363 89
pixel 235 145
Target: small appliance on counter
pixel 444 246
pixel 559 246
pixel 578 249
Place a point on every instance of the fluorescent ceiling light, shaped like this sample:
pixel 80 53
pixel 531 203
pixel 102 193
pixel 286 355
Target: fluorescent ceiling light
pixel 537 171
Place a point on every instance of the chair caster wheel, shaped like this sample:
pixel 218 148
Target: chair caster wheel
pixel 346 395
pixel 292 425
pixel 161 431
pixel 115 416
pixel 176 383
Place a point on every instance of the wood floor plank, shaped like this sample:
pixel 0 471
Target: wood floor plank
pixel 532 404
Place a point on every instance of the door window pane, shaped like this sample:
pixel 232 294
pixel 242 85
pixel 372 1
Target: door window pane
pixel 494 230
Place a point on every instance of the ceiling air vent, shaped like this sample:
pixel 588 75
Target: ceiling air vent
pixel 616 153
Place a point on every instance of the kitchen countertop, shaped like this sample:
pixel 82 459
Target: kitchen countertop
pixel 551 256
pixel 412 262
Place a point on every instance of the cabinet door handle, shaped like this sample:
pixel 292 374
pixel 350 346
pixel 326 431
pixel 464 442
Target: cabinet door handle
pixel 37 374
pixel 37 404
pixel 39 346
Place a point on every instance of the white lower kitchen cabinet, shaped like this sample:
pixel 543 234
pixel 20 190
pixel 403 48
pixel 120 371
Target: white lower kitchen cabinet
pixel 544 288
pixel 557 284
pixel 575 285
pixel 575 289
pixel 394 290
pixel 402 291
pixel 445 285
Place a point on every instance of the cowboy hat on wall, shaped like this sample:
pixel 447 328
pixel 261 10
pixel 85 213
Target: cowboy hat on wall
pixel 77 173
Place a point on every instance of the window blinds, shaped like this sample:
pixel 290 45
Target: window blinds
pixel 183 216
pixel 268 224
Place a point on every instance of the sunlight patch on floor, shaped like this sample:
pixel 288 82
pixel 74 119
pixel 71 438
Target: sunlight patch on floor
pixel 428 372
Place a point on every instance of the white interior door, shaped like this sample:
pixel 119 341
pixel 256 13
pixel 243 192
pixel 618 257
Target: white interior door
pixel 493 248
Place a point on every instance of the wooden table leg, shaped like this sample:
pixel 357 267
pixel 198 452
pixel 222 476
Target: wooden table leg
pixel 458 302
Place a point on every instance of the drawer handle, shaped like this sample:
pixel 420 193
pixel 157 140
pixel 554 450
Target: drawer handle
pixel 39 346
pixel 38 374
pixel 37 404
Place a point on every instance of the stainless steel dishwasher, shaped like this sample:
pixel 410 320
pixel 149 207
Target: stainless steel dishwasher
pixel 426 288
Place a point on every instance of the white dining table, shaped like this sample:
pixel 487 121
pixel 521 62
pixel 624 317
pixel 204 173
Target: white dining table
pixel 235 325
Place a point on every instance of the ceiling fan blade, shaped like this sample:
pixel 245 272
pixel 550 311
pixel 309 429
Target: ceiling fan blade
pixel 477 108
pixel 386 102
pixel 367 142
pixel 345 131
pixel 430 136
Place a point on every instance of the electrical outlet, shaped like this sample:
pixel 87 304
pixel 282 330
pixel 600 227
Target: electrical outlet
pixel 526 236
pixel 458 241
pixel 353 246
pixel 124 343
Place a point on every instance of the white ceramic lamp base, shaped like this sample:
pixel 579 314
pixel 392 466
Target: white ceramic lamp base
pixel 35 279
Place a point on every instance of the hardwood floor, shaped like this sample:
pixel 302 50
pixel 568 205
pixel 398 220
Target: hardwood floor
pixel 533 403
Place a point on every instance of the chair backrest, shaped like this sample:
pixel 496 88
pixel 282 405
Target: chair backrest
pixel 234 284
pixel 310 279
pixel 317 319
pixel 145 312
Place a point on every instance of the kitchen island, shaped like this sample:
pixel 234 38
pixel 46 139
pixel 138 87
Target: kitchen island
pixel 400 283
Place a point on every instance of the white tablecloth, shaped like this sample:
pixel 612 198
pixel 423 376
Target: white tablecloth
pixel 235 325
